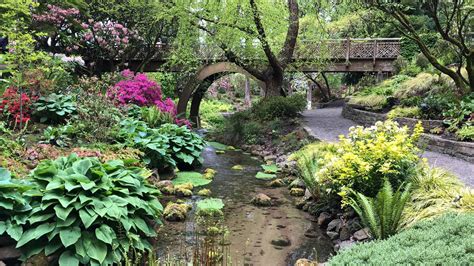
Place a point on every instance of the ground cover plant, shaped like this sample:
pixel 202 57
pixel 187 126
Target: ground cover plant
pixel 444 240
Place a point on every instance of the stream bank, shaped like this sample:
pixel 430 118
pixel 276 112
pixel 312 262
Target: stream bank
pixel 276 235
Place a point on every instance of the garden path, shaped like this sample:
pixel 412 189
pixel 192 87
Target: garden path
pixel 327 124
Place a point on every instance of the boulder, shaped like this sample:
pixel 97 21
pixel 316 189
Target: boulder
pixel 345 233
pixel 277 183
pixel 297 183
pixel 361 235
pixel 9 252
pixel 204 192
pixel 175 212
pixel 297 192
pixel 183 192
pixel 305 262
pixel 307 194
pixel 335 225
pixel 323 219
pixel 261 200
pixel 300 203
pixel 169 190
pixel 164 183
pixel 332 235
pixel 281 241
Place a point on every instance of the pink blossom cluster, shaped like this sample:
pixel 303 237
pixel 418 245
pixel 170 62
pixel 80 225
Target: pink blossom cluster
pixel 138 89
pixel 111 36
pixel 57 15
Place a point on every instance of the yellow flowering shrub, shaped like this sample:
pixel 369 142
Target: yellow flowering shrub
pixel 363 159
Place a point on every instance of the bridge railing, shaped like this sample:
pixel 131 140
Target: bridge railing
pixel 380 48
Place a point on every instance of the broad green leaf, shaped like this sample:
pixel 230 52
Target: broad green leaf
pixel 210 204
pixel 15 231
pixel 194 178
pixel 52 247
pixel 270 168
pixel 69 236
pixel 105 234
pixel 86 218
pixel 35 233
pixel 96 249
pixel 82 166
pixel 68 259
pixel 143 226
pixel 62 213
pixel 264 176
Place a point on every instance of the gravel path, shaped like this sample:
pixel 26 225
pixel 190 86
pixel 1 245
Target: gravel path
pixel 328 123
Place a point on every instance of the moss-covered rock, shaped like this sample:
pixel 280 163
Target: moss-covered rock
pixel 237 167
pixel 183 192
pixel 176 211
pixel 262 200
pixel 204 192
pixel 277 183
pixel 297 192
pixel 209 173
pixel 169 190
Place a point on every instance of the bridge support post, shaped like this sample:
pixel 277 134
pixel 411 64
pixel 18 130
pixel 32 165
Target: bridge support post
pixel 309 97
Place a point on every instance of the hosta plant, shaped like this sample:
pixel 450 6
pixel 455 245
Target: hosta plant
pixel 54 108
pixel 167 146
pixel 12 202
pixel 88 212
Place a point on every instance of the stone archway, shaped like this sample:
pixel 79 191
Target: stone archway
pixel 197 86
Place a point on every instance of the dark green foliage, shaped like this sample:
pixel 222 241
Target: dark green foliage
pixel 168 146
pixel 381 214
pixel 409 48
pixel 88 212
pixel 12 202
pixel 460 113
pixel 185 146
pixel 58 136
pixel 279 107
pixel 447 240
pixel 54 108
pixel 433 106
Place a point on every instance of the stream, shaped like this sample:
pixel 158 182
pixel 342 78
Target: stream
pixel 251 228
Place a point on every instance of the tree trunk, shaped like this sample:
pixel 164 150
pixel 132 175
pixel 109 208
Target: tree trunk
pixel 273 86
pixel 248 101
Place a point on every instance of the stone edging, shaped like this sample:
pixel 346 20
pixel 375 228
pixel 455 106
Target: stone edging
pixel 335 103
pixel 458 149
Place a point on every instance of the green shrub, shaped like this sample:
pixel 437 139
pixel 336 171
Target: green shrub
pixel 421 61
pixel 167 146
pixel 97 118
pixel 411 112
pixel 416 86
pixel 385 88
pixel 54 108
pixel 381 214
pixel 460 113
pixel 279 107
pixel 12 202
pixel 443 241
pixel 88 212
pixel 58 136
pixel 366 157
pixel 465 133
pixel 433 106
pixel 370 102
pixel 154 117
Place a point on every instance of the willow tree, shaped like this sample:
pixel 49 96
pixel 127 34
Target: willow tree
pixel 259 36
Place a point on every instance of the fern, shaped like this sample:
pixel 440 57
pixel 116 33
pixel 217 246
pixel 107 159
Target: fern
pixel 381 214
pixel 307 168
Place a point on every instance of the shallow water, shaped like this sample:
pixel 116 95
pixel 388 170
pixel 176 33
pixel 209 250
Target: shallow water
pixel 251 228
